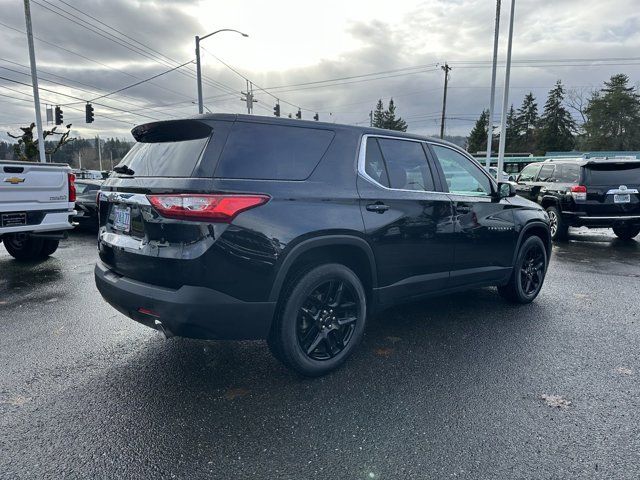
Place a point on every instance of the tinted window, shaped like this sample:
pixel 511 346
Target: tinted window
pixel 529 173
pixel 374 164
pixel 407 165
pixel 462 175
pixel 613 174
pixel 164 159
pixel 272 152
pixel 546 173
pixel 567 173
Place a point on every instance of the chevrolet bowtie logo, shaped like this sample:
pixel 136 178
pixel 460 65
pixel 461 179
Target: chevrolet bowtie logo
pixel 14 180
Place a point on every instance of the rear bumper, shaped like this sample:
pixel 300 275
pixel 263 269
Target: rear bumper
pixel 194 312
pixel 49 222
pixel 581 219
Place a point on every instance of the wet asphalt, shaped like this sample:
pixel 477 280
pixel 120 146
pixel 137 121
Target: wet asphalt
pixel 463 386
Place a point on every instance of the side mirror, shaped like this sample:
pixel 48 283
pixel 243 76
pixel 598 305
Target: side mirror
pixel 506 189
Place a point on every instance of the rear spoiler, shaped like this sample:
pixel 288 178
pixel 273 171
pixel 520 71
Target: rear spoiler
pixel 171 131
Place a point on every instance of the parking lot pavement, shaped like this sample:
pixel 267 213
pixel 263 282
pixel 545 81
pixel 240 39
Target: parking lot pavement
pixel 463 386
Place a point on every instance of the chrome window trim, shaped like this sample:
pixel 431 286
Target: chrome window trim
pixel 362 155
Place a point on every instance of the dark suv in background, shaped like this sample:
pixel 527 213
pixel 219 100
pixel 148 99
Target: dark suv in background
pixel 579 192
pixel 243 227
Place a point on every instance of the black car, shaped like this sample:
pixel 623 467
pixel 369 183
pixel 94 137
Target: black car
pixel 86 203
pixel 246 227
pixel 581 192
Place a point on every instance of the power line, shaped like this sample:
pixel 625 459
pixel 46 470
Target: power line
pixel 134 47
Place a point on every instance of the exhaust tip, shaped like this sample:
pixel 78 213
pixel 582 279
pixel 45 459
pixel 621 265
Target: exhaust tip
pixel 167 334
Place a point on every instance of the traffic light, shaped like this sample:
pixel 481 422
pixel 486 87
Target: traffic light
pixel 316 117
pixel 299 114
pixel 88 113
pixel 276 110
pixel 58 116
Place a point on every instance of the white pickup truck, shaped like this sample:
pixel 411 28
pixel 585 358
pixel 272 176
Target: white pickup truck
pixel 36 207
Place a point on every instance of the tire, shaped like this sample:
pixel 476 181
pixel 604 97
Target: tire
pixel 626 232
pixel 528 272
pixel 557 224
pixel 23 247
pixel 49 246
pixel 316 328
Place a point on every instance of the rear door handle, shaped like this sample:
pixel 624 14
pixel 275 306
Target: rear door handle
pixel 463 208
pixel 378 207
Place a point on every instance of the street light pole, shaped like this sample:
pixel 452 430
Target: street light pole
pixel 493 84
pixel 505 96
pixel 34 81
pixel 198 67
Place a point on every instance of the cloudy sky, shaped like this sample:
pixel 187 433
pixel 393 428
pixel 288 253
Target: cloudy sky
pixel 332 57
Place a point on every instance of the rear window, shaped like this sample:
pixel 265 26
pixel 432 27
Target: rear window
pixel 164 159
pixel 272 152
pixel 613 174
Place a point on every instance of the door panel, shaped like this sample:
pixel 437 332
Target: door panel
pixel 410 231
pixel 484 228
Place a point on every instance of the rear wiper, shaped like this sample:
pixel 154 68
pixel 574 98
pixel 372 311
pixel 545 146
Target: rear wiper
pixel 123 169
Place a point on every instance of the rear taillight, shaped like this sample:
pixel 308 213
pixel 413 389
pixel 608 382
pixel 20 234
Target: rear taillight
pixel 72 187
pixel 207 208
pixel 579 192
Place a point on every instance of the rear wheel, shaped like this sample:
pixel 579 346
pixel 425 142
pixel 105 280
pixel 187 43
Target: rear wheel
pixel 626 232
pixel 23 247
pixel 557 224
pixel 320 321
pixel 49 246
pixel 528 272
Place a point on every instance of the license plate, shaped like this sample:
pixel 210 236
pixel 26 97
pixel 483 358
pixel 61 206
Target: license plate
pixel 13 219
pixel 122 218
pixel 621 198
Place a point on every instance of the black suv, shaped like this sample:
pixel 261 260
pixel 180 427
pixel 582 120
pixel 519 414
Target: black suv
pixel 246 227
pixel 579 192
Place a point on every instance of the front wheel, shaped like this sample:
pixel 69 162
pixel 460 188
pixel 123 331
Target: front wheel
pixel 626 232
pixel 528 272
pixel 320 320
pixel 23 247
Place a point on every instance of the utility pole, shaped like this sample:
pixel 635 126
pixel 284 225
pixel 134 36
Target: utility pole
pixel 371 118
pixel 248 97
pixel 446 69
pixel 80 159
pixel 496 34
pixel 99 152
pixel 505 96
pixel 111 157
pixel 34 80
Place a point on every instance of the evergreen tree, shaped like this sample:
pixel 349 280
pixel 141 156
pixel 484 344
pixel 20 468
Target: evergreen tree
pixel 512 133
pixel 477 141
pixel 557 126
pixel 526 124
pixel 613 117
pixel 378 115
pixel 390 120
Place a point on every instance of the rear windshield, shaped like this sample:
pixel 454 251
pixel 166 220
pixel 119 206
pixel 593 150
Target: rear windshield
pixel 164 159
pixel 272 152
pixel 613 174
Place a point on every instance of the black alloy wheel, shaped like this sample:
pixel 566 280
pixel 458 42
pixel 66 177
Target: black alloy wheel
pixel 528 274
pixel 320 319
pixel 327 320
pixel 532 270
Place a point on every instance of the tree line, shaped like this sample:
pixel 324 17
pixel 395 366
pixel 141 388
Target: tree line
pixel 609 119
pixel 79 150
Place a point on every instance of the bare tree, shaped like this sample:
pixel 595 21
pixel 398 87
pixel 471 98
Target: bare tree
pixel 577 99
pixel 27 149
